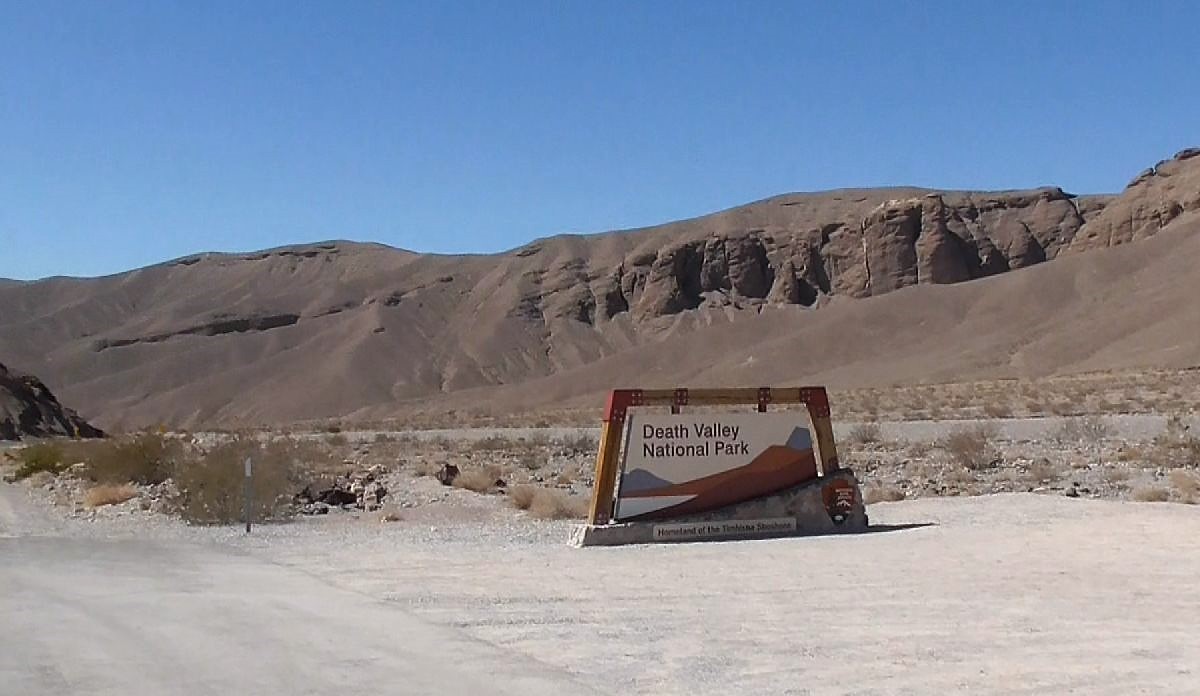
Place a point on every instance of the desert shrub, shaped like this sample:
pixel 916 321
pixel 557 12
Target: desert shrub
pixel 993 409
pixel 959 480
pixel 565 478
pixel 427 467
pixel 1176 446
pixel 1186 484
pixel 44 456
pixel 522 497
pixel 866 434
pixel 1116 474
pixel 1151 494
pixel 550 504
pixel 211 485
pixel 1042 470
pixel 382 438
pixel 337 440
pixel 882 494
pixel 144 459
pixel 1083 429
pixel 581 444
pixel 971 447
pixel 493 443
pixel 108 494
pixel 532 462
pixel 478 480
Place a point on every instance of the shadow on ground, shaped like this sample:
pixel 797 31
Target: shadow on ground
pixel 875 528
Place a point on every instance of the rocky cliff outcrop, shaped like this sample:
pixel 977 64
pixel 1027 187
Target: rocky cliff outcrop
pixel 27 408
pixel 928 238
pixel 1160 195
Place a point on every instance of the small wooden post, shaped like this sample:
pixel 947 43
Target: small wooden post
pixel 606 473
pixel 248 493
pixel 823 428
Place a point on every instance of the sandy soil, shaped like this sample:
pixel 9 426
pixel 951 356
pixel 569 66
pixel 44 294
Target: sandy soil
pixel 998 594
pixel 995 594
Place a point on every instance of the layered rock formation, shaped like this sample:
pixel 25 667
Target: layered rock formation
pixel 28 409
pixel 925 238
pixel 346 329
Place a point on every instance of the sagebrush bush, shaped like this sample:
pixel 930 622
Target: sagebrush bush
pixel 581 444
pixel 522 496
pixel 211 484
pixel 1186 484
pixel 143 459
pixel 971 447
pixel 866 434
pixel 494 443
pixel 44 456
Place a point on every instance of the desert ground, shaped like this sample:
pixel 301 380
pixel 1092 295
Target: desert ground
pixel 1007 555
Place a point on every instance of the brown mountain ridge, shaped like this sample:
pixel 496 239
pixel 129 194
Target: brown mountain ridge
pixel 851 287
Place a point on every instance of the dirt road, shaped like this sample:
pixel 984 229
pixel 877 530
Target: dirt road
pixel 128 616
pixel 1002 594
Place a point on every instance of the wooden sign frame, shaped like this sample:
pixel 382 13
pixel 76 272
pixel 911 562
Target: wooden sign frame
pixel 621 400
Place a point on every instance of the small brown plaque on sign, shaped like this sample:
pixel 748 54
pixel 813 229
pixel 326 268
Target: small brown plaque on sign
pixel 839 500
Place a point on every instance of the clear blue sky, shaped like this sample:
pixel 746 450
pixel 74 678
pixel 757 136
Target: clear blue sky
pixel 131 133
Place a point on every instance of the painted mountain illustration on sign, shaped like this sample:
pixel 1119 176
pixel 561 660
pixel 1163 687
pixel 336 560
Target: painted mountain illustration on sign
pixel 641 480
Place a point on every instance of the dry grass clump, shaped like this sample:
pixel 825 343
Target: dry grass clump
pixel 866 434
pixel 1151 494
pixel 479 480
pixel 971 447
pixel 493 443
pixel 548 503
pixel 109 494
pixel 882 494
pixel 211 485
pixel 45 456
pixel 522 497
pixel 1187 485
pixel 391 513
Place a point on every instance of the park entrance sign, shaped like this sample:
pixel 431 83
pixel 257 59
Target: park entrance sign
pixel 730 474
pixel 680 464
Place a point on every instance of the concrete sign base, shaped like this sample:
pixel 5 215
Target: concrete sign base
pixel 830 504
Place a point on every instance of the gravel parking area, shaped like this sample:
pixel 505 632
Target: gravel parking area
pixel 996 594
